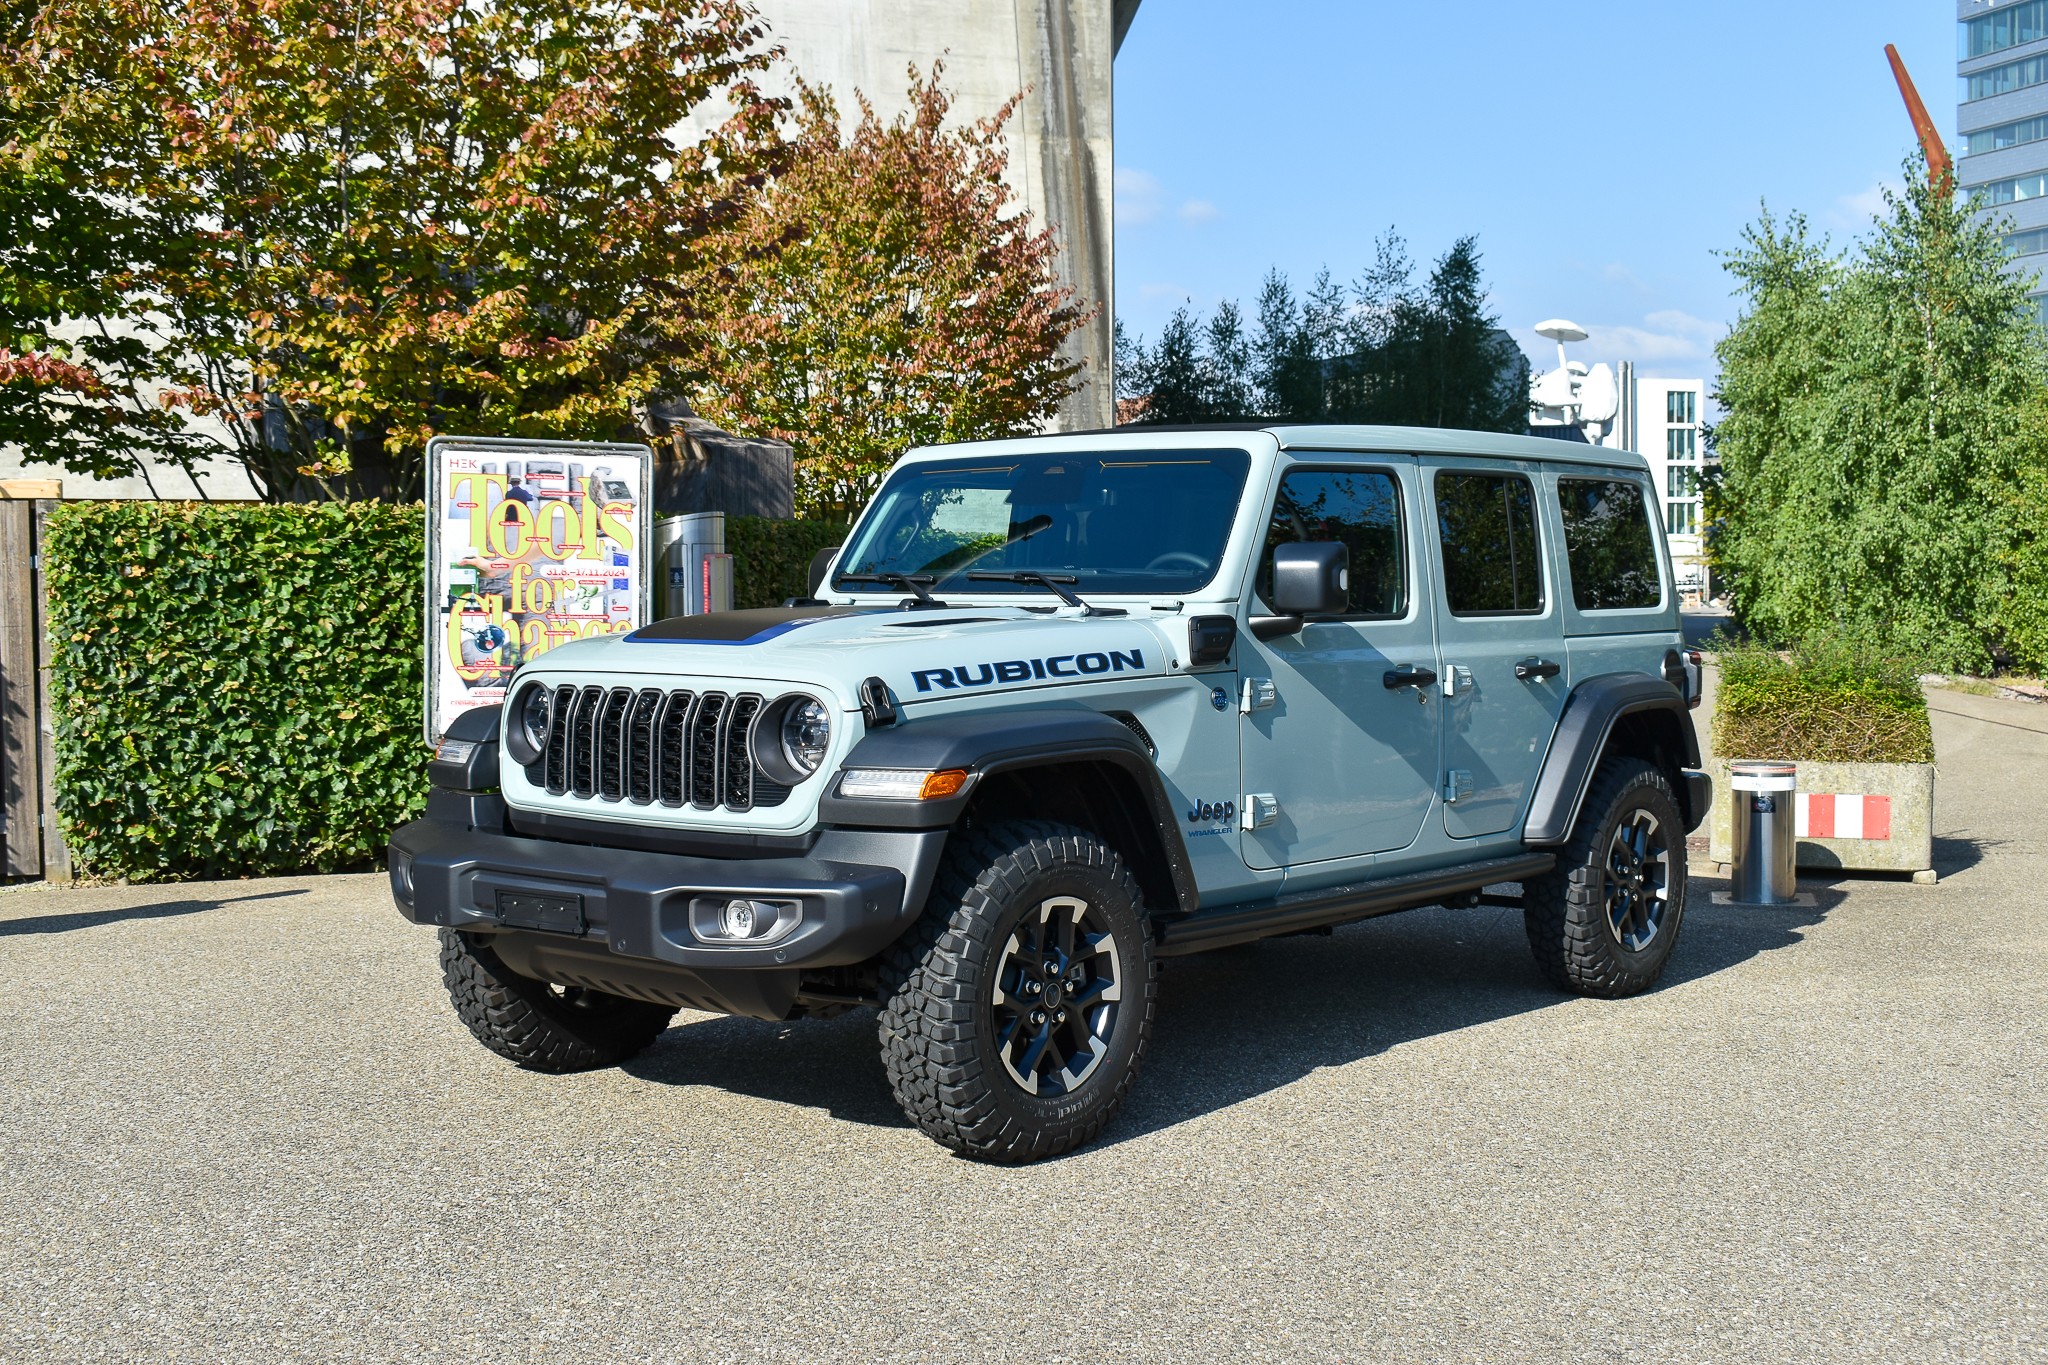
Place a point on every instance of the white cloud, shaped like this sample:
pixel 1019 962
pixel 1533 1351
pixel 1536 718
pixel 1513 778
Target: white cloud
pixel 1854 211
pixel 1199 211
pixel 1138 196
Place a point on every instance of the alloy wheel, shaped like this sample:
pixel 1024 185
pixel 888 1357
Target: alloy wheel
pixel 1638 880
pixel 1058 986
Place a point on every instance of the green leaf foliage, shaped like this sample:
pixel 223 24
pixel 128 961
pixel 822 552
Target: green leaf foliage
pixel 772 558
pixel 236 689
pixel 1835 699
pixel 1875 402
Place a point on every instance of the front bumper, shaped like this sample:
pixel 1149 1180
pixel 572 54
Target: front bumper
pixel 857 891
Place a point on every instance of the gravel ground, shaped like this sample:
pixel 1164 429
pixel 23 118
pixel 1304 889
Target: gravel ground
pixel 240 1123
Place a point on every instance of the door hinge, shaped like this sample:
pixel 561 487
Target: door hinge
pixel 1259 695
pixel 1258 810
pixel 1457 679
pixel 1457 783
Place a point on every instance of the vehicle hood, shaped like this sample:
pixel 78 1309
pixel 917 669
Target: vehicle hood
pixel 923 656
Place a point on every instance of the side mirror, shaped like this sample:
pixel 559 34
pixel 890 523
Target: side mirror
pixel 1311 579
pixel 820 562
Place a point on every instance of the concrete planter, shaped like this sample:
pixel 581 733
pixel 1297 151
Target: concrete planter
pixel 1840 826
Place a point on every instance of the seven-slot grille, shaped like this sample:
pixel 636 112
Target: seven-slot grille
pixel 679 748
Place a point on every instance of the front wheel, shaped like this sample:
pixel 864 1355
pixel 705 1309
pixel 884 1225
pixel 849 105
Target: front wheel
pixel 539 1026
pixel 1604 920
pixel 1018 1009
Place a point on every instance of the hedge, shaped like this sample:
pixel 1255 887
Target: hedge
pixel 1831 700
pixel 237 689
pixel 772 559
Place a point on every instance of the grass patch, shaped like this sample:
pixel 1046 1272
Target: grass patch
pixel 1828 701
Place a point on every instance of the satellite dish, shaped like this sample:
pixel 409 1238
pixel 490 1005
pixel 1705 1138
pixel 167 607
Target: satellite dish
pixel 1599 394
pixel 1560 331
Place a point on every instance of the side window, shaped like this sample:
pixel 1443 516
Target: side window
pixel 1361 508
pixel 1608 542
pixel 1492 563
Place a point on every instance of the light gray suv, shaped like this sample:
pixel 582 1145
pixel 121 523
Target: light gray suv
pixel 1062 708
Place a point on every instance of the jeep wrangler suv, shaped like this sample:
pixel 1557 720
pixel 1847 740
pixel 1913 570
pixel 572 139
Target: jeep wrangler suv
pixel 1062 708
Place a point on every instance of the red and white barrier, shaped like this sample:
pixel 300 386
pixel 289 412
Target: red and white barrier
pixel 1820 816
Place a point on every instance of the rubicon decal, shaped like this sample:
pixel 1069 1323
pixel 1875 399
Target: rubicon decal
pixel 1029 670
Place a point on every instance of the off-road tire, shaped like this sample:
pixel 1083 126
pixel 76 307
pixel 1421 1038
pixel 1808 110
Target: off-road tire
pixel 1566 910
pixel 938 1027
pixel 542 1027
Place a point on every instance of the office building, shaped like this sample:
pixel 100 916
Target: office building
pixel 2001 147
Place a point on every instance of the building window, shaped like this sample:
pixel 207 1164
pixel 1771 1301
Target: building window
pixel 2001 29
pixel 2000 80
pixel 2013 191
pixel 1682 518
pixel 1681 406
pixel 1681 481
pixel 2030 243
pixel 2005 135
pixel 2040 302
pixel 1681 443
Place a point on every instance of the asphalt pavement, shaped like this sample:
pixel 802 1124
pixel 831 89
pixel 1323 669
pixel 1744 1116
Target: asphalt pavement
pixel 240 1123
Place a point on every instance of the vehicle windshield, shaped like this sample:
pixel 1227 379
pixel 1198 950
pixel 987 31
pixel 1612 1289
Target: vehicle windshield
pixel 1133 521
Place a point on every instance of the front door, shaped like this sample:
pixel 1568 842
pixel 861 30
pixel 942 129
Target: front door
pixel 1347 762
pixel 1505 675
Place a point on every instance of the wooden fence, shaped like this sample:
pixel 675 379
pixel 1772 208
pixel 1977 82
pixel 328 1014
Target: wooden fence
pixel 33 847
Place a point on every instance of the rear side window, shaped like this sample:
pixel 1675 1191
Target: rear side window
pixel 1493 565
pixel 1361 508
pixel 1608 542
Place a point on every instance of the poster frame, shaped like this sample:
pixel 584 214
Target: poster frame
pixel 439 448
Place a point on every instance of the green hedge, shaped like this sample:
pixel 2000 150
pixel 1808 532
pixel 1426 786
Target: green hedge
pixel 236 689
pixel 1833 700
pixel 772 559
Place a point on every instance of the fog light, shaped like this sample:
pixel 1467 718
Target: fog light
pixel 738 919
pixel 743 921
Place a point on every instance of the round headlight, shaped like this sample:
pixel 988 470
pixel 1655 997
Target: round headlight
pixel 536 709
pixel 806 731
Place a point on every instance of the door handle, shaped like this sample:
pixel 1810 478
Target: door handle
pixel 1408 675
pixel 1537 668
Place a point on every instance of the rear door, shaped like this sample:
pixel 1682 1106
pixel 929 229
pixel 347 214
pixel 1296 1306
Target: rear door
pixel 1505 674
pixel 1349 763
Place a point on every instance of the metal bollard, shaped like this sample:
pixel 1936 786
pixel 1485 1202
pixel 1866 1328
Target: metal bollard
pixel 696 572
pixel 1763 837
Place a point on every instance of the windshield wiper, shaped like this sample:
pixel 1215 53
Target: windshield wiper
pixel 1051 582
pixel 914 584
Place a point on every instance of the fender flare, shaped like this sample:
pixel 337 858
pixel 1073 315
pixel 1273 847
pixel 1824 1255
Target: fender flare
pixel 984 744
pixel 1590 714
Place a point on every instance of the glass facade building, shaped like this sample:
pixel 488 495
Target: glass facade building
pixel 2001 142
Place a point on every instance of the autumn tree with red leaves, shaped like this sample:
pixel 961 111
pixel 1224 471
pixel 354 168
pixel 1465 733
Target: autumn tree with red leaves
pixel 884 292
pixel 340 228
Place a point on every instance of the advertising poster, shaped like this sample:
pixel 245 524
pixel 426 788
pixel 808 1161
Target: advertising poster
pixel 530 544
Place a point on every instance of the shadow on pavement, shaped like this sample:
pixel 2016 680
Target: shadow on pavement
pixel 1239 1023
pixel 1959 855
pixel 92 919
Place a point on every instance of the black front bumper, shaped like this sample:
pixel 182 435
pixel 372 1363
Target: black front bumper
pixel 857 889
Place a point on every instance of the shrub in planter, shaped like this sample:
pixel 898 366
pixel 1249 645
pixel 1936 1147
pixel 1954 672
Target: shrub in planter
pixel 1854 720
pixel 771 558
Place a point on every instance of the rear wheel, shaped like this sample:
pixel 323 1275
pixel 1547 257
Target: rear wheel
pixel 1017 1012
pixel 541 1026
pixel 1604 920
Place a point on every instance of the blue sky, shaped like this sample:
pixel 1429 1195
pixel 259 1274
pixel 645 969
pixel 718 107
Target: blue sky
pixel 1601 153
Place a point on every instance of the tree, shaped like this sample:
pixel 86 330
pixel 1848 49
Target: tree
pixel 1874 405
pixel 349 229
pixel 1380 350
pixel 884 293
